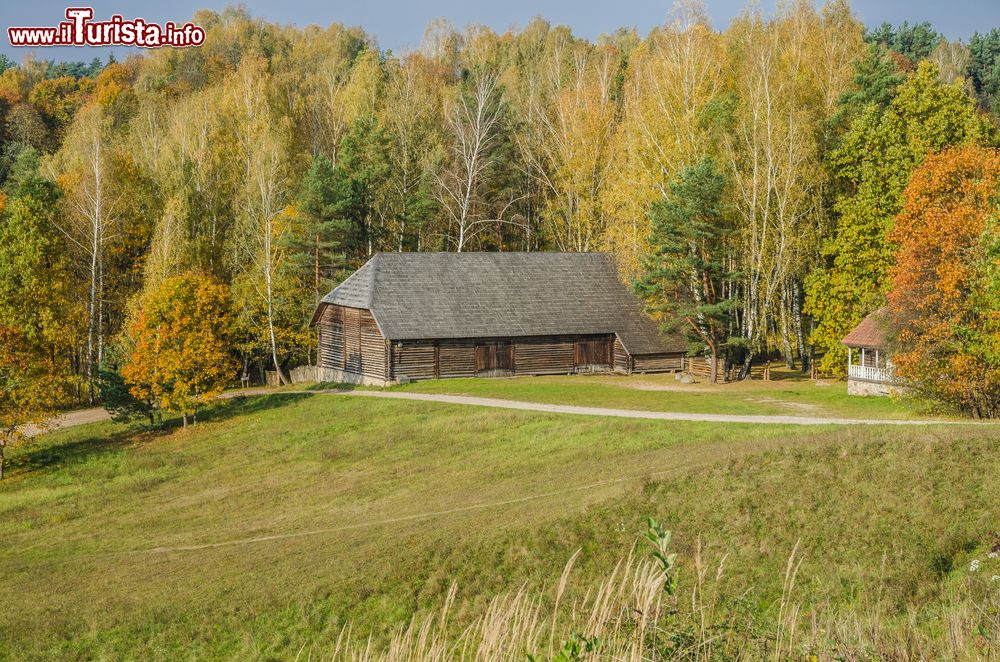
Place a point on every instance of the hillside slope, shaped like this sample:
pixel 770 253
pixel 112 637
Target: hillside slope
pixel 277 521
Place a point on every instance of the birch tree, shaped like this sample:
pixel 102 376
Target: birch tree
pixel 574 115
pixel 84 168
pixel 673 80
pixel 473 123
pixel 412 120
pixel 262 197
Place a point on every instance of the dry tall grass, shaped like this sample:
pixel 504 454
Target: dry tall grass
pixel 629 616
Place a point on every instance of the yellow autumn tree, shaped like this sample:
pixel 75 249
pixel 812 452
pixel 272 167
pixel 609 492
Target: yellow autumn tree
pixel 30 388
pixel 181 355
pixel 672 80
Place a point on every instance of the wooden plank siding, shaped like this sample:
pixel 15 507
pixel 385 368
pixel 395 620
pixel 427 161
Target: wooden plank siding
pixel 542 355
pixel 414 359
pixel 350 341
pixel 374 358
pixel 622 359
pixel 330 334
pixel 593 354
pixel 658 363
pixel 551 355
pixel 457 358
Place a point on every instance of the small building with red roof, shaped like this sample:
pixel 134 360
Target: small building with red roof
pixel 869 369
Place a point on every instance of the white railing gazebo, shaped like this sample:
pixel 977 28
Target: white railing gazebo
pixel 872 373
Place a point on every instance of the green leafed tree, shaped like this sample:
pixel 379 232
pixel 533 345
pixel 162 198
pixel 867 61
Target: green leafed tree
pixel 984 67
pixel 914 42
pixel 876 78
pixel 685 279
pixel 36 283
pixel 873 165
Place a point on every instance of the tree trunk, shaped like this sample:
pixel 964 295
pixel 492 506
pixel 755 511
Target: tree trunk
pixel 274 345
pixel 797 321
pixel 715 363
pixel 268 277
pixel 747 362
pixel 786 345
pixel 316 272
pixel 100 313
pixel 91 305
pixel 184 417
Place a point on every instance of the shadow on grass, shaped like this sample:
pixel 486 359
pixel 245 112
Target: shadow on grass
pixel 332 386
pixel 49 453
pixel 247 405
pixel 47 457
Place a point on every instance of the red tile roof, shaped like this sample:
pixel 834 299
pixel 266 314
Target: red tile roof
pixel 870 333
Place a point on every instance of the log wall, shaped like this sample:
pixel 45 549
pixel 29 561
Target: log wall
pixel 544 356
pixel 351 344
pixel 658 363
pixel 622 359
pixel 330 334
pixel 350 341
pixel 457 358
pixel 541 355
pixel 414 359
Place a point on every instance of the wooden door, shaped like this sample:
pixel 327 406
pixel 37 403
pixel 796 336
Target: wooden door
pixel 495 358
pixel 592 352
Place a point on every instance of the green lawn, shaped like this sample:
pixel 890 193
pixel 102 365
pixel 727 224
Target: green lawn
pixel 788 396
pixel 388 502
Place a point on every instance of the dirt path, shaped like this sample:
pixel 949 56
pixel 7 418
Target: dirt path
pixel 628 413
pixel 83 416
pixel 69 419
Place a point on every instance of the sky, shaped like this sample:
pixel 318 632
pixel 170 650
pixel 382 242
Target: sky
pixel 399 24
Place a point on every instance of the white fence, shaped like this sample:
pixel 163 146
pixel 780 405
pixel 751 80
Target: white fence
pixel 870 373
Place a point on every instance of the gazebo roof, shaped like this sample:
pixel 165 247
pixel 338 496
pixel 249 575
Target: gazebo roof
pixel 870 333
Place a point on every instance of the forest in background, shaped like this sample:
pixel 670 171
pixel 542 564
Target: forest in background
pixel 274 160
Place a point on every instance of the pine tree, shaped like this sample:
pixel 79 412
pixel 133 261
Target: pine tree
pixel 323 231
pixel 685 280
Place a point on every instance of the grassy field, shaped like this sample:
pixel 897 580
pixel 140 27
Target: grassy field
pixel 786 395
pixel 281 519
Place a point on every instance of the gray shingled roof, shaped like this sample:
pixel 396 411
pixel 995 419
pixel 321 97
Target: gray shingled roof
pixel 482 295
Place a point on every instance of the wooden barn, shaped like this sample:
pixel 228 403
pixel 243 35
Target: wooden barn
pixel 410 316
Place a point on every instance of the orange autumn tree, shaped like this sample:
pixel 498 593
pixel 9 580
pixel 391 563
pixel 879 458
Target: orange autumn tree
pixel 945 298
pixel 181 357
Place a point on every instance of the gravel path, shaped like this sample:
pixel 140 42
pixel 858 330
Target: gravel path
pixel 69 419
pixel 629 413
pixel 82 416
